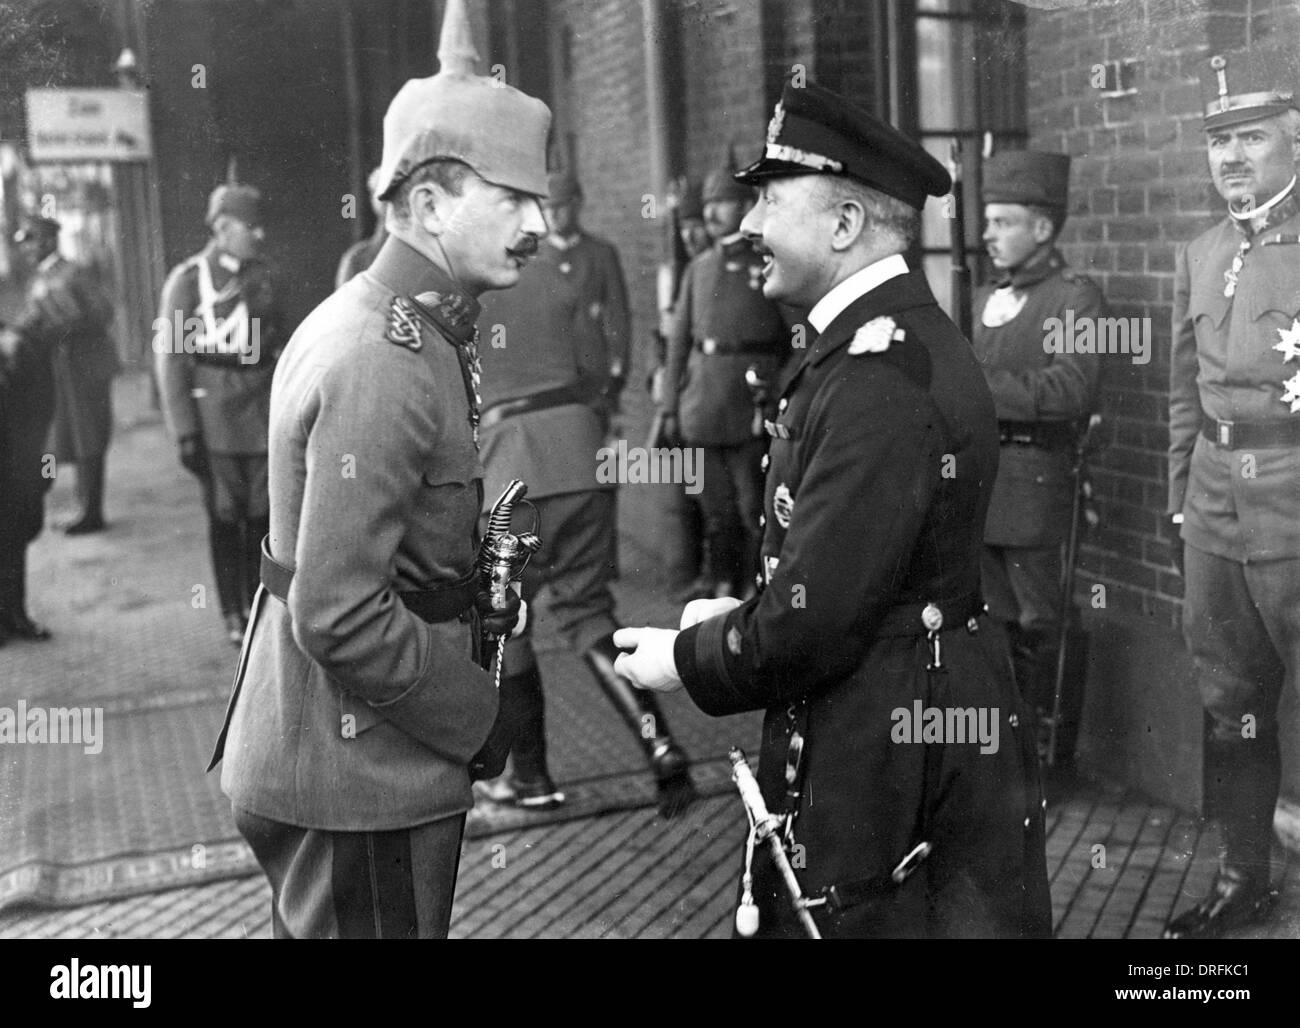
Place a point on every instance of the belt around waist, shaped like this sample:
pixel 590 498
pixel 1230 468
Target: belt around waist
pixel 717 348
pixel 1048 434
pixel 1244 435
pixel 915 618
pixel 498 412
pixel 444 603
pixel 229 361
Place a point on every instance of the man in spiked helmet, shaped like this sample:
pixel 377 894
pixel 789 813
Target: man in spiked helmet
pixel 883 453
pixel 360 705
pixel 1234 468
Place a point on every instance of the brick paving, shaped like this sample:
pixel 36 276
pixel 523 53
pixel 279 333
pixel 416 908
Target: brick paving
pixel 127 637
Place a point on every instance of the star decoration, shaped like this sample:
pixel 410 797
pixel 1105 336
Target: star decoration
pixel 1290 345
pixel 1292 394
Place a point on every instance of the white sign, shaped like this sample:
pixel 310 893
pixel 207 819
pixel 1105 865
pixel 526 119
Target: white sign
pixel 88 125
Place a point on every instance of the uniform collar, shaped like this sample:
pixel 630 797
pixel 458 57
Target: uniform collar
pixel 408 273
pixel 563 243
pixel 50 261
pixel 1030 274
pixel 905 292
pixel 221 259
pixel 862 281
pixel 1280 208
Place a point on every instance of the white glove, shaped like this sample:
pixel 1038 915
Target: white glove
pixel 651 664
pixel 701 610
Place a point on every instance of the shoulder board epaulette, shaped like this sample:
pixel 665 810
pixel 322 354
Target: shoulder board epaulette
pixel 403 325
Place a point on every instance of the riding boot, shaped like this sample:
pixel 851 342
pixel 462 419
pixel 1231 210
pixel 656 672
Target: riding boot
pixel 90 495
pixel 640 712
pixel 1241 786
pixel 225 540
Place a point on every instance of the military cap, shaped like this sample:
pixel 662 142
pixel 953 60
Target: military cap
pixel 722 184
pixel 690 200
pixel 238 201
pixel 496 129
pixel 34 227
pixel 1247 87
pixel 815 131
pixel 1028 177
pixel 563 187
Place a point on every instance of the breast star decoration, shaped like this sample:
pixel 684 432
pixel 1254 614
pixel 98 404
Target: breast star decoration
pixel 1289 347
pixel 875 336
pixel 1292 394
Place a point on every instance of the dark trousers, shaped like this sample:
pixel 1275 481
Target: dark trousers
pixel 1022 587
pixel 13 574
pixel 730 501
pixel 395 884
pixel 1241 623
pixel 237 502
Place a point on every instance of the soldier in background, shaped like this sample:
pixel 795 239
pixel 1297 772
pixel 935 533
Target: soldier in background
pixel 216 343
pixel 72 313
pixel 722 326
pixel 1041 399
pixel 1234 471
pixel 359 256
pixel 543 422
pixel 592 265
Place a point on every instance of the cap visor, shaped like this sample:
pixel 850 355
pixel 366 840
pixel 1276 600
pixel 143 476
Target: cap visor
pixel 1244 114
pixel 770 167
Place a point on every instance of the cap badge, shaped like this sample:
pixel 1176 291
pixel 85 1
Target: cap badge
pixel 774 126
pixel 1220 66
pixel 783 503
pixel 875 336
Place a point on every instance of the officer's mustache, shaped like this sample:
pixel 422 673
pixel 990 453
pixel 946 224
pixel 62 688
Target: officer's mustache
pixel 527 247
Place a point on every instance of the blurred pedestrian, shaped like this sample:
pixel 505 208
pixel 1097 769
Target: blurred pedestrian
pixel 75 318
pixel 216 341
pixel 26 474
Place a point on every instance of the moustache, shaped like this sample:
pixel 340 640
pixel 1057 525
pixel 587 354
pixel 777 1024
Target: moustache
pixel 527 247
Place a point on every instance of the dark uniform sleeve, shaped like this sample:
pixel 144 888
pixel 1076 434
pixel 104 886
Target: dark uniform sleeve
pixel 875 455
pixel 1184 396
pixel 345 614
pixel 1066 387
pixel 679 343
pixel 175 369
pixel 615 319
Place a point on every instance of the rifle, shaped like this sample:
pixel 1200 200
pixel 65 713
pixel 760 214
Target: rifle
pixel 1082 506
pixel 961 300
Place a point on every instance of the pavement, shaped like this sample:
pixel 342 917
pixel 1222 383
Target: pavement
pixel 136 842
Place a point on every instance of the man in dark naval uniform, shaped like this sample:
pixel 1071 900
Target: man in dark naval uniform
pixel 216 341
pixel 1040 398
pixel 362 702
pixel 1234 471
pixel 723 326
pixel 76 319
pixel 882 459
pixel 545 375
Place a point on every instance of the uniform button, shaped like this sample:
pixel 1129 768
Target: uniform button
pixel 783 405
pixel 761 521
pixel 1015 721
pixel 1026 822
pixel 764 462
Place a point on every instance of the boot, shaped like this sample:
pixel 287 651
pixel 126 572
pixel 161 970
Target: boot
pixel 529 778
pixel 640 712
pixel 14 622
pixel 225 541
pixel 1241 786
pixel 90 496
